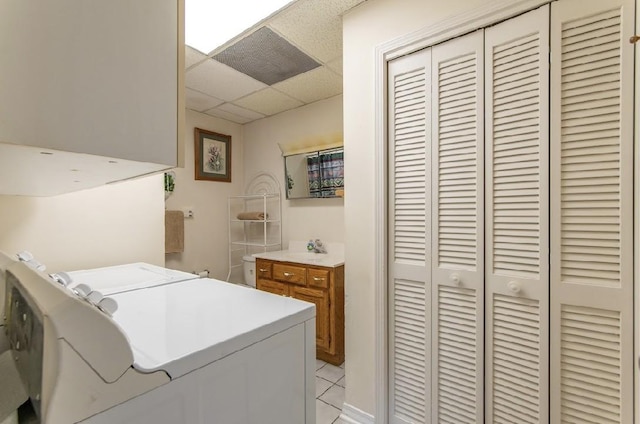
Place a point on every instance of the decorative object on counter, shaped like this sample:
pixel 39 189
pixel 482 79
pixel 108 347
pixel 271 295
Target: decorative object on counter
pixel 316 246
pixel 212 156
pixel 169 183
pixel 253 216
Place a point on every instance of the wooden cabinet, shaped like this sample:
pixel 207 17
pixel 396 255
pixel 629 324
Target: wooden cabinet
pixel 319 285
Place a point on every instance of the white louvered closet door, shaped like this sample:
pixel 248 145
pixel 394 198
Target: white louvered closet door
pixel 592 364
pixel 409 238
pixel 457 195
pixel 517 219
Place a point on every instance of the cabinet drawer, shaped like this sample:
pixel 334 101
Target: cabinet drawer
pixel 318 277
pixel 273 287
pixel 263 269
pixel 290 274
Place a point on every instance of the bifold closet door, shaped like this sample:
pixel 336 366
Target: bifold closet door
pixel 592 74
pixel 409 160
pixel 517 219
pixel 457 200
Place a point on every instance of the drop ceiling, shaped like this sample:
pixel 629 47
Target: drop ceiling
pixel 290 59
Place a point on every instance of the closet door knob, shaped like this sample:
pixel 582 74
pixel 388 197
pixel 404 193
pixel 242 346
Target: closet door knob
pixel 514 287
pixel 455 278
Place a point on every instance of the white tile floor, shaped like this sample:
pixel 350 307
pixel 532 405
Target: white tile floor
pixel 329 392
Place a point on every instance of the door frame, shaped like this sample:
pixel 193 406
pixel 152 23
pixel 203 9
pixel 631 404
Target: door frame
pixel 493 12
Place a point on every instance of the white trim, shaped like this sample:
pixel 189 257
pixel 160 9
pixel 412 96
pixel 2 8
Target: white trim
pixel 457 25
pixel 488 14
pixel 380 229
pixel 636 223
pixel 352 415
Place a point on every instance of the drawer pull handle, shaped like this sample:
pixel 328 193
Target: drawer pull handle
pixel 262 270
pixel 318 278
pixel 288 274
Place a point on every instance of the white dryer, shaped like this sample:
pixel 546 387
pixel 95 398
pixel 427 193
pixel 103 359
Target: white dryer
pixel 200 351
pixel 127 277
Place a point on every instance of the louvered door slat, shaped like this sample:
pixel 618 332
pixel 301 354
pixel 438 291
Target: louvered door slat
pixel 516 291
pixel 409 245
pixel 457 260
pixel 591 172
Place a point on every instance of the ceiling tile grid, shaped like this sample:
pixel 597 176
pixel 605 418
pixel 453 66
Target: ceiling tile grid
pixel 200 102
pixel 192 56
pixel 315 26
pixel 218 80
pixel 219 113
pixel 268 102
pixel 291 59
pixel 240 111
pixel 312 86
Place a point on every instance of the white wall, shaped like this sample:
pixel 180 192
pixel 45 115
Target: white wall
pixel 207 234
pixel 365 27
pixel 302 219
pixel 103 226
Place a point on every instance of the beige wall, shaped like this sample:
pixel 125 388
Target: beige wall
pixel 207 234
pixel 367 26
pixel 103 226
pixel 302 219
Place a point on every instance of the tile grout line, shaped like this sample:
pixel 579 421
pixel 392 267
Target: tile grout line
pixel 332 384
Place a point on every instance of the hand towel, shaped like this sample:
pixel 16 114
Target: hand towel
pixel 173 232
pixel 256 216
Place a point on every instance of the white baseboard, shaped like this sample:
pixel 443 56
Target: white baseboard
pixel 352 415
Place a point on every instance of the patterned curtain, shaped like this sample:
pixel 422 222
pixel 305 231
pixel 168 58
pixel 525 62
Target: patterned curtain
pixel 326 173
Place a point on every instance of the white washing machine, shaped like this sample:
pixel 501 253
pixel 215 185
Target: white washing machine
pixel 122 278
pixel 201 351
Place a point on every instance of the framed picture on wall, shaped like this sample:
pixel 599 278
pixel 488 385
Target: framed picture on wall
pixel 213 156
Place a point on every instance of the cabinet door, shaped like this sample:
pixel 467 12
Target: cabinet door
pixel 321 300
pixel 517 218
pixel 273 287
pixel 109 88
pixel 457 195
pixel 592 77
pixel 409 231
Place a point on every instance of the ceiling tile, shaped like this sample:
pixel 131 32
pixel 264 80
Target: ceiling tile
pixel 315 26
pixel 268 102
pixel 218 80
pixel 240 111
pixel 218 113
pixel 192 56
pixel 267 57
pixel 336 65
pixel 200 102
pixel 311 86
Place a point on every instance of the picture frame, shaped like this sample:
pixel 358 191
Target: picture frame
pixel 212 156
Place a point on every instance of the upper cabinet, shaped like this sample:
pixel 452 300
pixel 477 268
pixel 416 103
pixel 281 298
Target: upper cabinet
pixel 90 92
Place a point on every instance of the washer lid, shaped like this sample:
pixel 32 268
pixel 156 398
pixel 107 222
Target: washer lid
pixel 121 278
pixel 181 327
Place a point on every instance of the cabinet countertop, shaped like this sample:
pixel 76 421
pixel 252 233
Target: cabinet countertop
pixel 308 258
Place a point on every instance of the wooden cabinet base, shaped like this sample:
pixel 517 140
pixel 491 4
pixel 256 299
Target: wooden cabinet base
pixel 336 359
pixel 319 285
